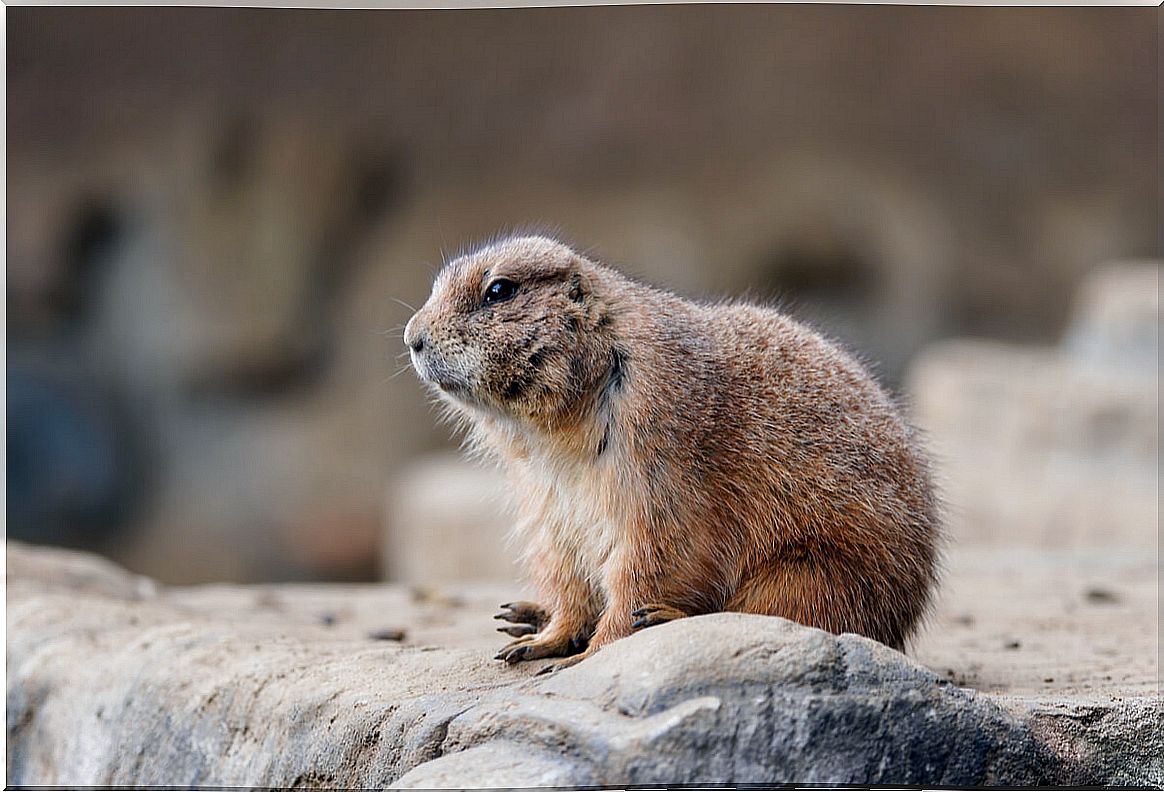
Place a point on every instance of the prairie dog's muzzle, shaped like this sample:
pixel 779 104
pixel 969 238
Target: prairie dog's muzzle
pixel 414 335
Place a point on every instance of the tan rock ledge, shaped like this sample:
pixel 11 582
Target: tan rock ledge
pixel 115 681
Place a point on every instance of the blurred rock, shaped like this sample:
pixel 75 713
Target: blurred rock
pixel 1054 446
pixel 266 215
pixel 120 685
pixel 335 546
pixel 1117 317
pixel 447 521
pixel 31 568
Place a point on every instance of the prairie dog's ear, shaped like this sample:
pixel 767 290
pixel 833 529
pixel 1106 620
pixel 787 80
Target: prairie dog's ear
pixel 577 291
pixel 583 282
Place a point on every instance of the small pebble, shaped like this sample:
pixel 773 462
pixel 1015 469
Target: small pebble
pixel 268 599
pixel 1101 596
pixel 430 596
pixel 1014 644
pixel 387 635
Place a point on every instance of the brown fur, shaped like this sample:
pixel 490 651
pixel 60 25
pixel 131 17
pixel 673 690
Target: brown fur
pixel 672 458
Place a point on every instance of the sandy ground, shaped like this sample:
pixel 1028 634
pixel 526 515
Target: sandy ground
pixel 1035 622
pixel 1020 622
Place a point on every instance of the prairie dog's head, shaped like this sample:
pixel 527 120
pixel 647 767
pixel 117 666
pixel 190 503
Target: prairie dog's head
pixel 515 328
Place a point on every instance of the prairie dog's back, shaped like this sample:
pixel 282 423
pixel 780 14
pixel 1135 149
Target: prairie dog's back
pixel 778 417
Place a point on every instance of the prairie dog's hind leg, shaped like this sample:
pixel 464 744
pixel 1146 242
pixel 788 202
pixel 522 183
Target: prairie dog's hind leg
pixel 827 599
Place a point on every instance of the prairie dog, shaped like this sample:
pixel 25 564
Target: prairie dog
pixel 671 458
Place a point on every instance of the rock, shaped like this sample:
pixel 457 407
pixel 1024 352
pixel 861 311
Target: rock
pixel 266 217
pixel 1054 446
pixel 743 699
pixel 59 570
pixel 189 698
pixel 447 521
pixel 1117 316
pixel 116 684
pixel 1101 737
pixel 498 765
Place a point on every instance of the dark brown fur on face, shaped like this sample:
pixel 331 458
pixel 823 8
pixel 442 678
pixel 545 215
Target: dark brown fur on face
pixel 671 458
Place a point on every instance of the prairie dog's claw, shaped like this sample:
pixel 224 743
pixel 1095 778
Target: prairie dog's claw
pixel 650 615
pixel 524 613
pixel 518 630
pixel 535 647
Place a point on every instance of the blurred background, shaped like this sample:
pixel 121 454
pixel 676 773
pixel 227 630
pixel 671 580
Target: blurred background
pixel 218 218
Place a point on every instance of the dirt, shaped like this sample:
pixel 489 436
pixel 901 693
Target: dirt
pixel 1014 621
pixel 1036 622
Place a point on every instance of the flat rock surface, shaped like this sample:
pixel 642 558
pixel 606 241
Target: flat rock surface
pixel 1036 667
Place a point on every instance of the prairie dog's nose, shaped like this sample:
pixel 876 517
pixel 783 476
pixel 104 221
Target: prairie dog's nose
pixel 413 336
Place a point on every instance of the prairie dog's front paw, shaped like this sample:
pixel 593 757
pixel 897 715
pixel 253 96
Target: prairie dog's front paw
pixel 535 647
pixel 650 615
pixel 526 618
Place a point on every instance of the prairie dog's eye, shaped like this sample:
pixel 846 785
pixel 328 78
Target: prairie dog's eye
pixel 499 290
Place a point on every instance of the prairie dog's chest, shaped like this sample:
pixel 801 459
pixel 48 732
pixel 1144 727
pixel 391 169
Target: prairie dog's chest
pixel 572 512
